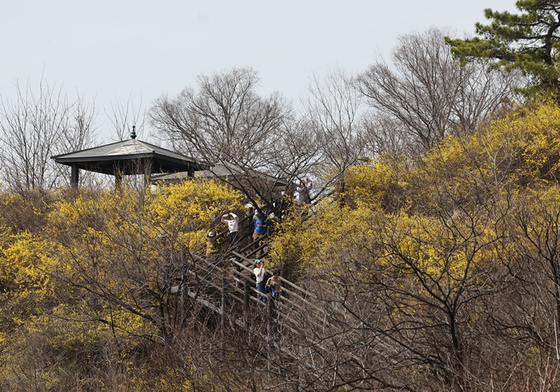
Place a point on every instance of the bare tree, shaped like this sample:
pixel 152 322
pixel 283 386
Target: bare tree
pixel 531 254
pixel 383 134
pixel 126 118
pixel 298 153
pixel 36 126
pixel 225 122
pixel 430 94
pixel 333 113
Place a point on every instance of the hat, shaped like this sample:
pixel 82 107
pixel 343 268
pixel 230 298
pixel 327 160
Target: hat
pixel 211 234
pixel 257 261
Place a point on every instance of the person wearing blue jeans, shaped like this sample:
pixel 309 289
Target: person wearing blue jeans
pixel 260 230
pixel 259 272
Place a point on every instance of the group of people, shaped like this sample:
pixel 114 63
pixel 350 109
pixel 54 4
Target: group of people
pixel 271 286
pixel 232 221
pixel 260 224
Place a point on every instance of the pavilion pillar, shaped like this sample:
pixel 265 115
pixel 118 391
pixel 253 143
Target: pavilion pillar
pixel 74 176
pixel 148 167
pixel 118 180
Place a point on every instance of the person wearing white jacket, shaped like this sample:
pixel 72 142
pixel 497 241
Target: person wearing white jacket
pixel 233 226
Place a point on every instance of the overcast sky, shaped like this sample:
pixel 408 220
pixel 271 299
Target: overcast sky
pixel 114 51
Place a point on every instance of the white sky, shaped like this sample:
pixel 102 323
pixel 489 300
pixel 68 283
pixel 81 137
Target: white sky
pixel 114 51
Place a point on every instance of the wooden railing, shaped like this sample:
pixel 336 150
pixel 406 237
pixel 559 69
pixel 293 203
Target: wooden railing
pixel 219 287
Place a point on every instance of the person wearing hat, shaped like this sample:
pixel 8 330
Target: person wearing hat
pixel 211 249
pixel 259 272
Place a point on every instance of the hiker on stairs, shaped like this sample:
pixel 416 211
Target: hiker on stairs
pixel 260 228
pixel 259 272
pixel 233 226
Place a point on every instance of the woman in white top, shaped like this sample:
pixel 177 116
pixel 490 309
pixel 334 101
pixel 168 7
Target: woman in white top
pixel 259 272
pixel 233 226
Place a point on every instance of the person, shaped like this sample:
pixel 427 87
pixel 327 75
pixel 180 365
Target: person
pixel 274 285
pixel 260 227
pixel 260 230
pixel 259 272
pixel 233 226
pixel 303 191
pixel 211 252
pixel 211 248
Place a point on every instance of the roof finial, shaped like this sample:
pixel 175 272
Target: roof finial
pixel 133 134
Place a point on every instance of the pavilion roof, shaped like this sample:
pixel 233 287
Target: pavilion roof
pixel 223 171
pixel 128 157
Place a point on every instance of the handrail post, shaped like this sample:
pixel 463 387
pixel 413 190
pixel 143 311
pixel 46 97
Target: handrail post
pixel 246 302
pixel 223 318
pixel 270 315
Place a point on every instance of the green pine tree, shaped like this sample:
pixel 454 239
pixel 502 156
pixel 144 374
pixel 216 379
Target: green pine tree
pixel 528 41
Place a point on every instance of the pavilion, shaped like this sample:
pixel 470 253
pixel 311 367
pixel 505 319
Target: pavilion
pixel 127 157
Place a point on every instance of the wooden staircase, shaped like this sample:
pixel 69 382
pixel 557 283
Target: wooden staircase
pixel 297 328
